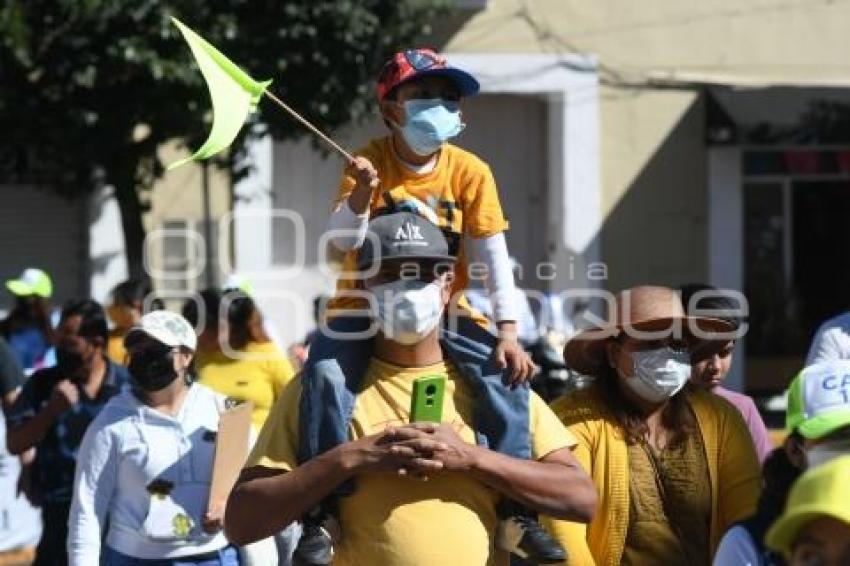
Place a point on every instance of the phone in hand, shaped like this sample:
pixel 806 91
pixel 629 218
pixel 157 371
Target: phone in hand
pixel 426 403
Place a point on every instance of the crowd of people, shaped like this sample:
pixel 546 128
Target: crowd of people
pixel 406 432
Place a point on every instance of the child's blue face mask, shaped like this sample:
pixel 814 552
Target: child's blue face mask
pixel 430 123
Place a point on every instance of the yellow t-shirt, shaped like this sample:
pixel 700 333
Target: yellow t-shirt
pixel 115 350
pixel 460 190
pixel 400 521
pixel 259 375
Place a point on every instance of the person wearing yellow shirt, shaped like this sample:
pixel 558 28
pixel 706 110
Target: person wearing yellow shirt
pixel 416 169
pixel 125 311
pixel 422 494
pixel 243 364
pixel 235 357
pixel 674 467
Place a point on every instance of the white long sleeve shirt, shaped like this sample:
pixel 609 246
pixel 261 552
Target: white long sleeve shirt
pixel 348 229
pixel 20 522
pixel 493 252
pixel 832 341
pixel 127 448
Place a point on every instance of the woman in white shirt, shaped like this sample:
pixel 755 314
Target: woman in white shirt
pixel 145 464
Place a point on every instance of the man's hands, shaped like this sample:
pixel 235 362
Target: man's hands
pixel 366 181
pixel 65 395
pixel 443 444
pixel 394 450
pixel 511 355
pixel 418 449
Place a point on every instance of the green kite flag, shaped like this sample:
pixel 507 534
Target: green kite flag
pixel 234 94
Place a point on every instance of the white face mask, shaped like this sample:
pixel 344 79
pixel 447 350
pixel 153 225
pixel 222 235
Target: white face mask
pixel 658 374
pixel 408 310
pixel 824 452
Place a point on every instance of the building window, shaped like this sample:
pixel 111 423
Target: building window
pixel 179 256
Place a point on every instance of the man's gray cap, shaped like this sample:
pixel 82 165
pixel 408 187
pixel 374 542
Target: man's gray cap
pixel 402 236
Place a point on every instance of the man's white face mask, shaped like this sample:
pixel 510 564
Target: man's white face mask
pixel 409 309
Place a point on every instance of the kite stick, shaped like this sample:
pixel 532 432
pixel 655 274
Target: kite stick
pixel 310 126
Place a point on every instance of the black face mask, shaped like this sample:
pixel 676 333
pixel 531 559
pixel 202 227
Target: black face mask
pixel 69 362
pixel 152 370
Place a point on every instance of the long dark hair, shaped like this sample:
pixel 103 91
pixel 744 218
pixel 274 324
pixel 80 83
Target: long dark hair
pixel 677 417
pixel 240 320
pixel 206 309
pixel 779 476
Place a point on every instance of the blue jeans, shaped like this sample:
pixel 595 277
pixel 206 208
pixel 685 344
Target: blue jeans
pixel 227 556
pixel 336 367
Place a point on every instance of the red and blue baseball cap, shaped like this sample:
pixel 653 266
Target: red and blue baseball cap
pixel 416 63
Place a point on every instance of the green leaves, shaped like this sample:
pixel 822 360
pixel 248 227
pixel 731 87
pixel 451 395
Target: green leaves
pixel 81 74
pixel 78 76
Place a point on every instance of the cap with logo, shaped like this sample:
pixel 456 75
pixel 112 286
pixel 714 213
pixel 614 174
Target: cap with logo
pixel 32 281
pixel 820 492
pixel 402 236
pixel 819 399
pixel 415 63
pixel 167 327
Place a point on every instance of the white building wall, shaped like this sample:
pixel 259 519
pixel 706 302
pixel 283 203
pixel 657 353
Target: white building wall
pixel 39 228
pixel 106 244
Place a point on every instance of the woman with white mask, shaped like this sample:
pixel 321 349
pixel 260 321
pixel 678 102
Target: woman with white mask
pixel 673 467
pixel 145 464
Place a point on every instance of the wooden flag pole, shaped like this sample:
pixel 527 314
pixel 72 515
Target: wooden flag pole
pixel 310 126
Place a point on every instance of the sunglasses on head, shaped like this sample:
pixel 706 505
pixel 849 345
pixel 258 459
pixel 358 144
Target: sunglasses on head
pixel 421 59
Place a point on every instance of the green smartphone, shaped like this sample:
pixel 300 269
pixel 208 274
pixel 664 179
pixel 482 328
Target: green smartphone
pixel 426 404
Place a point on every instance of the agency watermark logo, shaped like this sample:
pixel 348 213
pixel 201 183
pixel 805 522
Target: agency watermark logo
pixel 581 305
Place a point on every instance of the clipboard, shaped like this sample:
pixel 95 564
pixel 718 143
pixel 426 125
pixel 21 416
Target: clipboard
pixel 231 451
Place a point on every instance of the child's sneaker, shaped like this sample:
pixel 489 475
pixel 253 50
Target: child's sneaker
pixel 316 545
pixel 525 537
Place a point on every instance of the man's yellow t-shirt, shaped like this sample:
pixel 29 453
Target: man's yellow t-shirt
pixel 460 190
pixel 258 374
pixel 394 520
